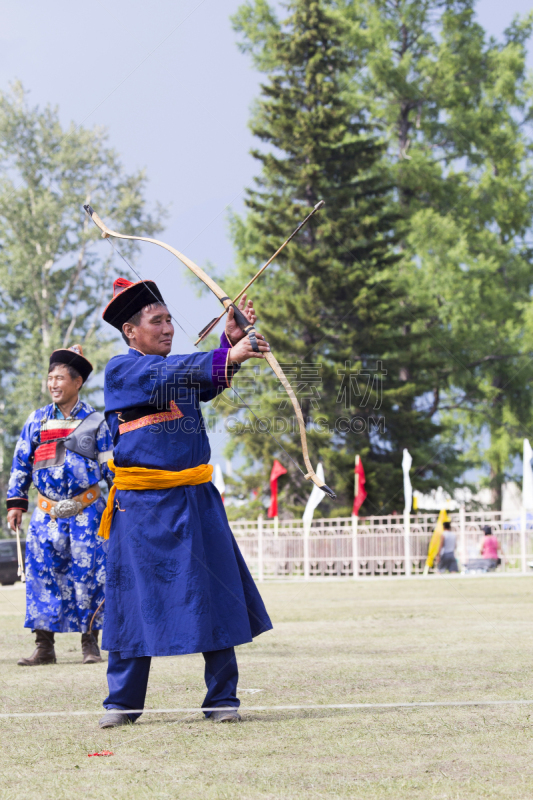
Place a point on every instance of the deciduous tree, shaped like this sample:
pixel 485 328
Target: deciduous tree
pixel 456 107
pixel 54 278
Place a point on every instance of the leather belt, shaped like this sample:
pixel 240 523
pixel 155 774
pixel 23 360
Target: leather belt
pixel 71 506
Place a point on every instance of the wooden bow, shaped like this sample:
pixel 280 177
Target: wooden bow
pixel 241 321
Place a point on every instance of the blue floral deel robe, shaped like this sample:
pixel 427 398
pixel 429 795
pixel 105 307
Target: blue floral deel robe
pixel 65 560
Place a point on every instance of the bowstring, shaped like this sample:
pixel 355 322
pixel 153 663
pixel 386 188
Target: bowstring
pixel 180 326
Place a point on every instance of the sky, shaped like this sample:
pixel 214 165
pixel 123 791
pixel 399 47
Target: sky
pixel 167 81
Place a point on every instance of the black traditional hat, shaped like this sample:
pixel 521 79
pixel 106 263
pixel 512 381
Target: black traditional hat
pixel 128 299
pixel 72 357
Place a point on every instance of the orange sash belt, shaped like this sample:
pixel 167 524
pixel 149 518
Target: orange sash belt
pixel 139 479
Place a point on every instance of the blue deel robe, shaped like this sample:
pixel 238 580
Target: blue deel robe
pixel 176 580
pixel 65 560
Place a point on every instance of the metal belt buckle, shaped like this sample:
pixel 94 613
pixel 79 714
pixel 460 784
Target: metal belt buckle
pixel 66 508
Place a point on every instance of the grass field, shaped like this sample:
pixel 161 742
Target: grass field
pixel 370 642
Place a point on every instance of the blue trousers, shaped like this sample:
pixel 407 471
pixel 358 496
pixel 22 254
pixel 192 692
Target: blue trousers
pixel 127 680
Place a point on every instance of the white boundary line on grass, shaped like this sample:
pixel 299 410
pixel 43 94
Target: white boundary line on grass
pixel 351 706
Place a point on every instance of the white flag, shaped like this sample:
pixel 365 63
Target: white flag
pixel 219 479
pixel 315 497
pixel 407 488
pixel 527 476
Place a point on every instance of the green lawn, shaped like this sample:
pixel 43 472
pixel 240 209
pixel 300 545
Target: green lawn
pixel 344 642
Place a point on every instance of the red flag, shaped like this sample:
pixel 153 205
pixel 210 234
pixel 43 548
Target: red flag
pixel 277 470
pixel 360 491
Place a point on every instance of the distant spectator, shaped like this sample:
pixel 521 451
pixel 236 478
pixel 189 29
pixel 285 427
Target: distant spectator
pixel 446 557
pixel 490 548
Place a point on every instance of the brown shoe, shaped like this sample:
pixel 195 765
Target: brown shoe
pixel 44 652
pixel 90 649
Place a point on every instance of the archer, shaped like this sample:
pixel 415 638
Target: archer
pixel 176 580
pixel 62 449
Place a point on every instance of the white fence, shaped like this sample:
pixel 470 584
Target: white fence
pixel 341 547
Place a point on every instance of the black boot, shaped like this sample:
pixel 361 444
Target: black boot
pixel 89 648
pixel 44 652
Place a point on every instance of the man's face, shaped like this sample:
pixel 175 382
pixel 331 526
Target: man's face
pixel 63 389
pixel 154 333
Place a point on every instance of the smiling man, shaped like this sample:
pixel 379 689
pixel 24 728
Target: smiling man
pixel 176 580
pixel 63 450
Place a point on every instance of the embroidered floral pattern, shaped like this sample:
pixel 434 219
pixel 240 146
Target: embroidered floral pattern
pixel 65 560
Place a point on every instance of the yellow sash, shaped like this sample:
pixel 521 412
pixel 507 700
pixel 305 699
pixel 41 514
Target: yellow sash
pixel 139 478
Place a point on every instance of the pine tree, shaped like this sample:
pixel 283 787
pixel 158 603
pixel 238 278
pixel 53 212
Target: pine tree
pixel 332 302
